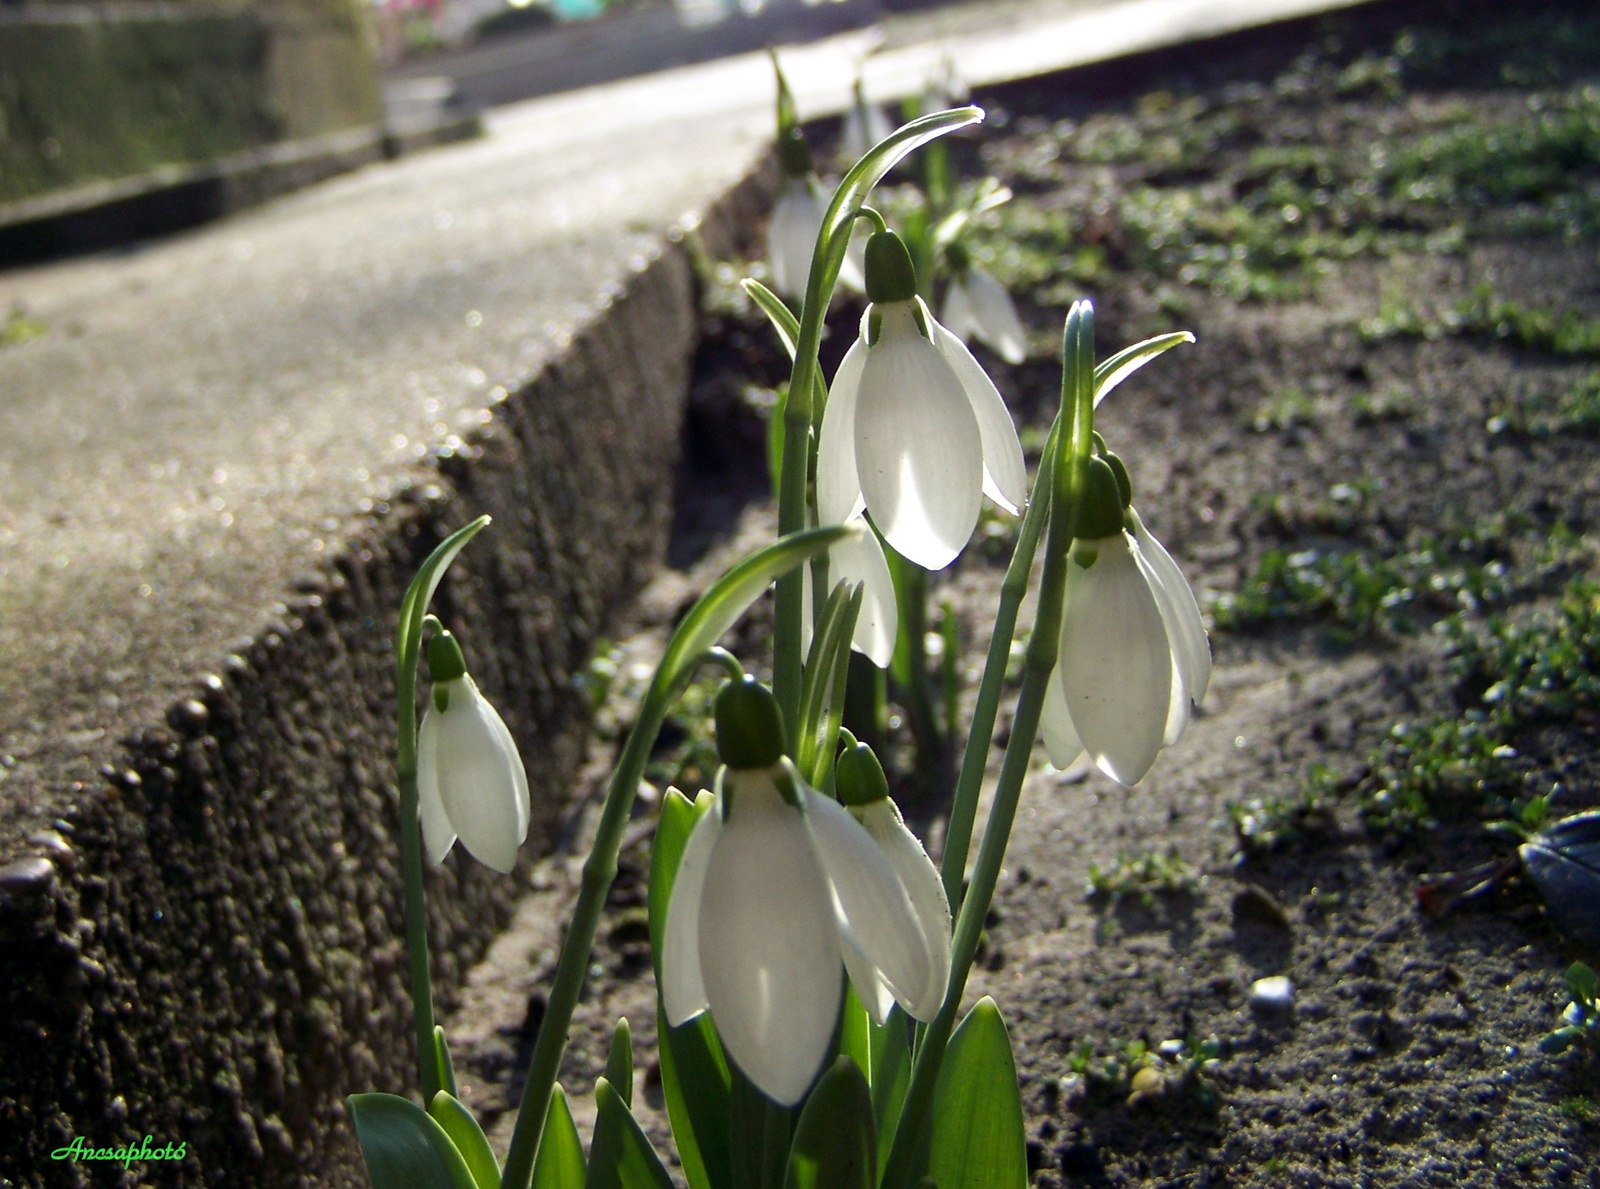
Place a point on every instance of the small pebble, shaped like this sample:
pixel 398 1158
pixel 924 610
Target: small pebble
pixel 1275 994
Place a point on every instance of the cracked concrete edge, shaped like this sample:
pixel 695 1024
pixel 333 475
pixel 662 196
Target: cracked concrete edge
pixel 208 946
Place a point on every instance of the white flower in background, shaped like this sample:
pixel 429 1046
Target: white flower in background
pixel 792 237
pixel 864 790
pixel 978 306
pixel 864 126
pixel 470 780
pixel 1134 655
pixel 860 562
pixel 914 431
pixel 775 882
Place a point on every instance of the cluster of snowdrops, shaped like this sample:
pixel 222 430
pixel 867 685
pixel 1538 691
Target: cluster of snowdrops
pixel 810 958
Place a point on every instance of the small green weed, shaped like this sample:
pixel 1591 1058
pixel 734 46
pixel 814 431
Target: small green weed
pixel 1134 1072
pixel 1574 409
pixel 19 328
pixel 1484 314
pixel 1290 409
pixel 1262 825
pixel 1422 762
pixel 1145 874
pixel 1581 1017
pixel 1578 1108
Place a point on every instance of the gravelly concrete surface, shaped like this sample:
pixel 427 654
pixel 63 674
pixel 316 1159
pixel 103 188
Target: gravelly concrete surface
pixel 219 464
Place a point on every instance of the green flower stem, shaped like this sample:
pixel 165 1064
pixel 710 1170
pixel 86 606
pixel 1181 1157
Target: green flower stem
pixel 1077 385
pixel 599 870
pixel 975 759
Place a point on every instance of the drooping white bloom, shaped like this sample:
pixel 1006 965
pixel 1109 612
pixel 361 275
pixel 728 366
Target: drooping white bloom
pixel 470 780
pixel 915 432
pixel 768 897
pixel 860 562
pixel 978 306
pixel 792 237
pixel 919 877
pixel 1134 656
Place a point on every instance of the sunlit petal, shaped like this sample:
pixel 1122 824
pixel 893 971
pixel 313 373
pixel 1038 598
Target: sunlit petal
pixel 870 986
pixel 683 992
pixel 875 907
pixel 919 456
pixel 792 237
pixel 1181 611
pixel 1005 476
pixel 1061 742
pixel 482 788
pixel 862 561
pixel 921 881
pixel 838 487
pixel 769 943
pixel 1116 665
pixel 437 834
pixel 994 316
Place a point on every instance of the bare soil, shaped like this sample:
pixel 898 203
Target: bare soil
pixel 1375 452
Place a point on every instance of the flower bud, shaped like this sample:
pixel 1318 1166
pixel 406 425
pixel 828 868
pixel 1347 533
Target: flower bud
pixel 749 727
pixel 859 776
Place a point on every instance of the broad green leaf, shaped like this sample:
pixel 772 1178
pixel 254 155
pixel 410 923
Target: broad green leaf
pixel 759 1131
pixel 1582 983
pixel 891 1075
pixel 420 593
pixel 889 152
pixel 717 609
pixel 560 1164
pixel 620 1156
pixel 835 1142
pixel 404 1147
pixel 447 1067
pixel 830 648
pixel 855 1032
pixel 1125 362
pixel 694 1073
pixel 619 1062
pixel 977 1139
pixel 464 1131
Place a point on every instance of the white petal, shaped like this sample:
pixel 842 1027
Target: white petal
pixel 921 881
pixel 1061 742
pixel 871 989
pixel 1116 665
pixel 769 942
pixel 1005 477
pixel 875 907
pixel 437 835
pixel 792 237
pixel 994 316
pixel 838 487
pixel 862 561
pixel 853 269
pixel 481 783
pixel 956 314
pixel 683 992
pixel 919 455
pixel 1181 611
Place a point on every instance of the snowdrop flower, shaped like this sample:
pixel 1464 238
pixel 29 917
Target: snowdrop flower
pixel 776 881
pixel 470 781
pixel 797 221
pixel 978 306
pixel 860 562
pixel 864 789
pixel 1134 655
pixel 864 126
pixel 914 431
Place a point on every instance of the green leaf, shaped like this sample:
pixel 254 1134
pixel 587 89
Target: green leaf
pixel 717 609
pixel 891 1075
pixel 619 1062
pixel 780 315
pixel 977 1139
pixel 855 1032
pixel 463 1130
pixel 447 1067
pixel 830 649
pixel 420 593
pixel 835 1142
pixel 404 1147
pixel 1582 983
pixel 673 828
pixel 1125 362
pixel 620 1156
pixel 560 1164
